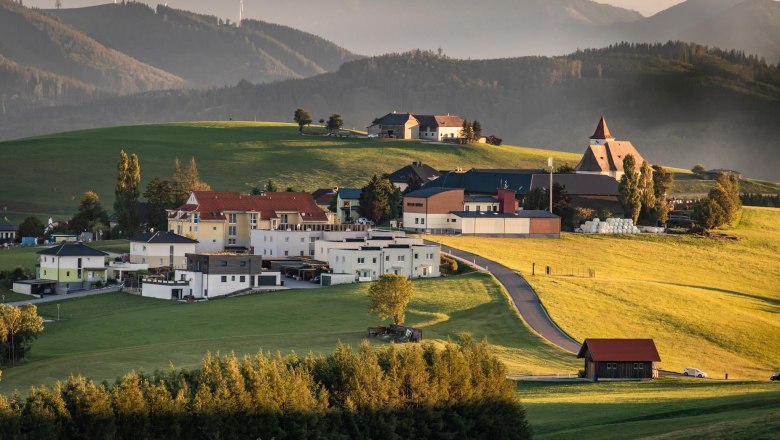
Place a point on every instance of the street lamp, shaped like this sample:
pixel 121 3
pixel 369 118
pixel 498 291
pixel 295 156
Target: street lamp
pixel 550 165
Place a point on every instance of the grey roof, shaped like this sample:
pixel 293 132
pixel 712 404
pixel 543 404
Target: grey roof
pixel 72 250
pixel 7 227
pixel 424 172
pixel 163 237
pixel 434 121
pixel 428 192
pixel 350 193
pixel 490 214
pixel 481 199
pixel 579 184
pixel 395 118
pixel 484 181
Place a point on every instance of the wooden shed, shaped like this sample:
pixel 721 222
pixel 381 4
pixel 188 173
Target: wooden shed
pixel 619 358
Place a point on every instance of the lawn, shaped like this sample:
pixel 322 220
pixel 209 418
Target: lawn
pixel 688 183
pixel 667 408
pixel 107 335
pixel 231 156
pixel 711 304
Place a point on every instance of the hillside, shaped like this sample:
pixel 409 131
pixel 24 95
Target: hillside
pixel 32 38
pixel 678 103
pixel 202 49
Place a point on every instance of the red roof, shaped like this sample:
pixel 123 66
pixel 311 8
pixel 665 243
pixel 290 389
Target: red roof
pixel 212 205
pixel 602 131
pixel 620 350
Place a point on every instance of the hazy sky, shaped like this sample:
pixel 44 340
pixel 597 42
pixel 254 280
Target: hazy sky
pixel 262 9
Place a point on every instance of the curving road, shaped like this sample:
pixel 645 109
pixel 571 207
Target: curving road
pixel 524 298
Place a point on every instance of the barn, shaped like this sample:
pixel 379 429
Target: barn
pixel 619 359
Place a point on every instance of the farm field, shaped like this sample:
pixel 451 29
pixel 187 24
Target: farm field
pixel 107 335
pixel 710 304
pixel 235 156
pixel 231 156
pixel 659 409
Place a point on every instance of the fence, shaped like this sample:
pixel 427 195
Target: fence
pixel 562 271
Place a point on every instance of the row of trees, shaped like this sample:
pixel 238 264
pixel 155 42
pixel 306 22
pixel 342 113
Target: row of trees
pixel 19 326
pixel 421 391
pixel 722 204
pixel 643 194
pixel 471 131
pixel 171 193
pixel 749 199
pixel 303 118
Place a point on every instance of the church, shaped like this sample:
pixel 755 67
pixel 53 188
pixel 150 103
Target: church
pixel 605 155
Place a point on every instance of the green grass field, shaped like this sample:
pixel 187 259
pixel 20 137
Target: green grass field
pixel 107 335
pixel 232 156
pixel 659 409
pixel 711 304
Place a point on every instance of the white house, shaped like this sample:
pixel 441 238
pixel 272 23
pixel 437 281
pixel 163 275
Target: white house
pixel 73 266
pixel 366 260
pixel 212 275
pixel 7 233
pixel 301 241
pixel 161 249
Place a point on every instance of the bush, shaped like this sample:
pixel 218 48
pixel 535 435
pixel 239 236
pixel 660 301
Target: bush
pixel 421 391
pixel 448 265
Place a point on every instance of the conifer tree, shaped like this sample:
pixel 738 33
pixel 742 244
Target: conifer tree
pixel 127 194
pixel 647 192
pixel 630 197
pixel 178 180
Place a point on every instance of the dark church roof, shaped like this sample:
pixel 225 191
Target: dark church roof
pixel 602 131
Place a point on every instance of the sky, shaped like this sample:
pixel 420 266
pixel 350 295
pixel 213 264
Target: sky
pixel 256 8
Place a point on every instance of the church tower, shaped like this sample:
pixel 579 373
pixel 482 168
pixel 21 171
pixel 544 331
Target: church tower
pixel 602 135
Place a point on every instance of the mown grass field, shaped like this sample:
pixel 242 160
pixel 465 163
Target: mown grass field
pixel 711 304
pixel 231 156
pixel 235 156
pixel 660 409
pixel 105 336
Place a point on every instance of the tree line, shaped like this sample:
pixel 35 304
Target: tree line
pixel 751 199
pixel 643 193
pixel 419 391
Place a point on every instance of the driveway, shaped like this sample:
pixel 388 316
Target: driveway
pixel 524 298
pixel 55 298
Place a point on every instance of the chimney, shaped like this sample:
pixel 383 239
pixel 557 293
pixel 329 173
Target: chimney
pixel 507 202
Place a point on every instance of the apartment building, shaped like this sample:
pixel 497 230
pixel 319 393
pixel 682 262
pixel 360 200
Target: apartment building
pixel 301 241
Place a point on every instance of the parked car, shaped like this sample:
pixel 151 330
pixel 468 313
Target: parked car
pixel 695 372
pixel 372 136
pixel 364 221
pixel 776 376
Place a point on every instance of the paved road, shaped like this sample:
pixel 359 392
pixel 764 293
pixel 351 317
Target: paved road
pixel 54 298
pixel 524 298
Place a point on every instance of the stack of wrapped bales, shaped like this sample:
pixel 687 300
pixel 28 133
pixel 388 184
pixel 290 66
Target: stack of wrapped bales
pixel 652 230
pixel 610 226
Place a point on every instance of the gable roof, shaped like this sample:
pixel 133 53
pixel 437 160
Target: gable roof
pixel 602 131
pixel 609 157
pixel 350 193
pixel 7 227
pixel 620 350
pixel 163 237
pixel 429 192
pixel 72 250
pixel 579 184
pixel 323 196
pixel 395 119
pixel 435 121
pixel 424 172
pixel 212 205
pixel 483 181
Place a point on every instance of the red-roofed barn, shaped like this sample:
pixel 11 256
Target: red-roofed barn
pixel 619 358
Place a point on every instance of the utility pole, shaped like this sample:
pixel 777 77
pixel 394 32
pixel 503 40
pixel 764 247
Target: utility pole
pixel 550 165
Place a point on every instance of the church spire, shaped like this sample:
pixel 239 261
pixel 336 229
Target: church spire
pixel 602 131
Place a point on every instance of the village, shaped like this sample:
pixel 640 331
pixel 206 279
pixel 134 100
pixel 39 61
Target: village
pixel 220 244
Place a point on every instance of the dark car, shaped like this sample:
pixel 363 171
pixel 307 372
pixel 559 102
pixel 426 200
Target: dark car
pixel 776 376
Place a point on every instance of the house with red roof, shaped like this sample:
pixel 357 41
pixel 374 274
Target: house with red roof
pixel 619 358
pixel 605 155
pixel 224 220
pixel 413 126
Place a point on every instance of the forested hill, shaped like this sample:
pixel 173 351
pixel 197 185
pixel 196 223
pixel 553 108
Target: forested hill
pixel 203 49
pixel 678 103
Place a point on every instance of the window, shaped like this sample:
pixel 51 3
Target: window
pixel 44 272
pixel 196 218
pixel 416 255
pixel 231 241
pixel 224 279
pixel 374 260
pixel 416 221
pixel 232 219
pixel 232 230
pixel 67 274
pixel 361 260
pixel 214 228
pixel 286 239
pixel 303 239
pixel 311 252
pixel 242 279
pixel 313 239
pixel 286 253
pixel 422 221
pixel 479 208
pixel 387 257
pixel 265 238
pixel 402 258
pixel 495 208
pixel 301 253
pixel 233 278
pixel 253 219
pixel 468 208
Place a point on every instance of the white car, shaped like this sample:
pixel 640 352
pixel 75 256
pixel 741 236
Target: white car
pixel 372 136
pixel 364 221
pixel 695 372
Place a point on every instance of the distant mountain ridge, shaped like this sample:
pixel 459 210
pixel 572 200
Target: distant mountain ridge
pixel 678 103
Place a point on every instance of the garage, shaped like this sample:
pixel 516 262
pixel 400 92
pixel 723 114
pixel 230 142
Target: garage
pixel 267 280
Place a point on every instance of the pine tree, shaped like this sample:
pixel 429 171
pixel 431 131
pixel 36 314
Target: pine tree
pixel 159 196
pixel 476 131
pixel 127 193
pixel 377 199
pixel 647 192
pixel 179 189
pixel 192 178
pixel 662 184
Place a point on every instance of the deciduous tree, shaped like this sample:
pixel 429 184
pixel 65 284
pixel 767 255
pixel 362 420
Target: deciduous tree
pixel 709 214
pixel 127 193
pixel 377 200
pixel 335 122
pixel 630 196
pixel 31 227
pixel 159 195
pixel 389 297
pixel 302 118
pixel 90 212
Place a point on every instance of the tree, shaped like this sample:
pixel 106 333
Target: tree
pixel 476 130
pixel 726 194
pixel 467 132
pixel 662 184
pixel 19 325
pixel 178 183
pixel 647 192
pixel 159 196
pixel 31 227
pixel 271 187
pixel 389 297
pixel 127 193
pixel 698 170
pixel 302 118
pixel 335 122
pixel 90 211
pixel 375 200
pixel 565 169
pixel 630 197
pixel 193 178
pixel 536 199
pixel 709 214
pixel 413 184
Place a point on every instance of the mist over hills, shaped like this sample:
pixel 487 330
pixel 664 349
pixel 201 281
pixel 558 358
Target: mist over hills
pixel 679 103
